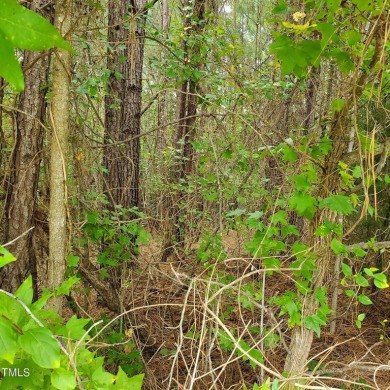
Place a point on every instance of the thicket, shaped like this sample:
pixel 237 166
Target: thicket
pixel 243 240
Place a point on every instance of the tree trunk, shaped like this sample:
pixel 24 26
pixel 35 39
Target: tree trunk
pixel 187 104
pixel 302 338
pixel 24 171
pixel 2 136
pixel 123 103
pixel 59 118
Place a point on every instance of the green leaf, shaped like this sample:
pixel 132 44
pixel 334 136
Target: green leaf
pixel 361 281
pixel 344 61
pixel 380 280
pixel 339 203
pixel 289 154
pixel 359 320
pixel 10 68
pixel 25 291
pixel 301 182
pixel 5 256
pixel 27 30
pixel 8 341
pixel 338 247
pixel 122 381
pixel 62 379
pixel 73 260
pixel 364 5
pixel 75 328
pixel 364 299
pixel 236 212
pixel 314 323
pixel 347 270
pixel 102 379
pixel 352 37
pixel 333 5
pixel 42 347
pixel 291 57
pixel 271 263
pixel 337 104
pixel 303 204
pixel 328 33
pixel 280 216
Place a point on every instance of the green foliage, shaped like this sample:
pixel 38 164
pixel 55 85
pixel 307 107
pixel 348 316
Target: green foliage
pixel 39 349
pixel 121 232
pixel 24 29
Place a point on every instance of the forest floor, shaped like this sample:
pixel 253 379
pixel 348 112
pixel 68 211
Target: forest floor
pixel 174 327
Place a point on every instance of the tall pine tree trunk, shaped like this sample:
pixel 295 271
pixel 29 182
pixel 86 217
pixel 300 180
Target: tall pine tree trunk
pixel 24 171
pixel 123 102
pixel 187 104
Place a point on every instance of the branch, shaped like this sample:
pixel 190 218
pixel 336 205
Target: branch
pixel 364 245
pixel 354 157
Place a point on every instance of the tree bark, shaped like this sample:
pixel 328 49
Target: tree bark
pixel 187 104
pixel 59 118
pixel 302 337
pixel 123 102
pixel 24 171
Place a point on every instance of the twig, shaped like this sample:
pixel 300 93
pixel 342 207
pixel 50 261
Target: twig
pixel 17 238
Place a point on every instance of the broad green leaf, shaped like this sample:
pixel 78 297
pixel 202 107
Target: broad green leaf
pixel 75 328
pixel 27 30
pixel 314 323
pixel 364 299
pixel 364 5
pixel 42 347
pixel 280 216
pixel 339 203
pixel 290 56
pixel 271 263
pixel 290 230
pixel 25 291
pixel 303 204
pixel 301 182
pixel 350 293
pixel 8 341
pixel 289 154
pixel 64 287
pixel 328 33
pixel 344 60
pixel 333 5
pixel 122 381
pixel 352 37
pixel 62 379
pixel 338 247
pixel 361 281
pixel 5 256
pixel 347 270
pixel 73 260
pixel 10 68
pixel 380 280
pixel 102 379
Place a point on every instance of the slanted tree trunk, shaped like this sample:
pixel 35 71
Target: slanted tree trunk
pixel 302 338
pixel 59 120
pixel 24 170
